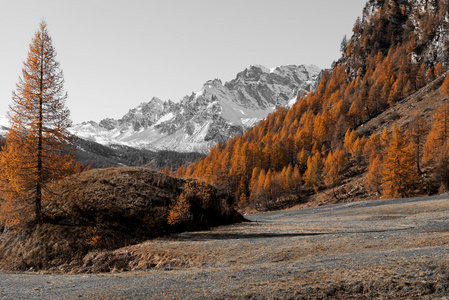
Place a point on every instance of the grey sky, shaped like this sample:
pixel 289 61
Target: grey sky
pixel 117 54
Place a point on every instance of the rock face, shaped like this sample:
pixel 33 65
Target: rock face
pixel 213 115
pixel 422 25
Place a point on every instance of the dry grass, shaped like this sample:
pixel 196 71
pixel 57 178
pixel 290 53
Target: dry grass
pixel 108 209
pixel 388 249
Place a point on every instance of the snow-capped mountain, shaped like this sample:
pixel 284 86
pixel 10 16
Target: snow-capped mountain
pixel 214 114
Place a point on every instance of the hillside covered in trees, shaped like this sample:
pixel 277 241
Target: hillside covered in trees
pixel 397 54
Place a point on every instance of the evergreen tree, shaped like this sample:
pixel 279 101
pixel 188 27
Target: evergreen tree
pixel 344 44
pixel 39 149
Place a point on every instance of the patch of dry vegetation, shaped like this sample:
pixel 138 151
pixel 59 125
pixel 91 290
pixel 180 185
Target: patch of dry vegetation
pixel 108 209
pixel 387 249
pixel 416 279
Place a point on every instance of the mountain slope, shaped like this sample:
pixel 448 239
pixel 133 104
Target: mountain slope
pixel 213 115
pixel 419 25
pixel 95 155
pixel 342 141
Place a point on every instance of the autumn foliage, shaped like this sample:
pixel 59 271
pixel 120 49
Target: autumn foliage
pixel 445 86
pixel 319 139
pixel 39 149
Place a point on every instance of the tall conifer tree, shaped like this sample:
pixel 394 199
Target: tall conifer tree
pixel 39 148
pixel 398 170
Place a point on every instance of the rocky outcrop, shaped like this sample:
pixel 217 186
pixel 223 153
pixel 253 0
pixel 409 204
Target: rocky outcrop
pixel 422 25
pixel 268 87
pixel 213 115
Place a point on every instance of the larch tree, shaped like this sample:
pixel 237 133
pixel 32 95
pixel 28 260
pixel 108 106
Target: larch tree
pixel 399 172
pixel 421 77
pixel 314 173
pixel 39 148
pixel 445 86
pixel 384 140
pixel 430 76
pixel 438 136
pixel 374 174
pixel 416 135
pixel 334 164
pixel 439 69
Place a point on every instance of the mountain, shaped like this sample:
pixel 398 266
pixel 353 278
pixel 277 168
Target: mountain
pixel 4 125
pixel 419 25
pixel 376 125
pixel 95 155
pixel 213 115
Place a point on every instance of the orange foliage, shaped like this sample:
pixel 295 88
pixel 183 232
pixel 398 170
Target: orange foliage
pixel 399 172
pixel 287 148
pixel 445 86
pixel 374 175
pixel 416 135
pixel 438 136
pixel 39 149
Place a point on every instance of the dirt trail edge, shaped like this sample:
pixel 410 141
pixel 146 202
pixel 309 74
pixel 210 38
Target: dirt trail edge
pixel 374 249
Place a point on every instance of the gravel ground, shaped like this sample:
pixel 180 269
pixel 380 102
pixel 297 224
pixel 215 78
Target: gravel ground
pixel 374 249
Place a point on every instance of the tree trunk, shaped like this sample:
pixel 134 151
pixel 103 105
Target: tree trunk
pixel 38 201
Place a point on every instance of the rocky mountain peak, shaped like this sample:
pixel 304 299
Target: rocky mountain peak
pixel 144 115
pixel 212 83
pixel 214 114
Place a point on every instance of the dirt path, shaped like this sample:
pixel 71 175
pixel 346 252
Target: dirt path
pixel 384 248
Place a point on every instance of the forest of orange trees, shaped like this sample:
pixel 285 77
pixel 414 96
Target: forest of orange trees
pixel 316 143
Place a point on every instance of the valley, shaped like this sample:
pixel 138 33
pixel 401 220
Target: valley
pixel 389 249
pixel 342 176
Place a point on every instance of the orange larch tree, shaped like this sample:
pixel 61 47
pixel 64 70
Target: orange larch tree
pixel 39 148
pixel 334 164
pixel 421 77
pixel 430 76
pixel 445 86
pixel 399 172
pixel 416 135
pixel 314 173
pixel 438 135
pixel 374 174
pixel 438 69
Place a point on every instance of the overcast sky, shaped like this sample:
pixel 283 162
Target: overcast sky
pixel 117 54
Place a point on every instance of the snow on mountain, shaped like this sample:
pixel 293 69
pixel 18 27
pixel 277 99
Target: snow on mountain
pixel 214 114
pixel 4 125
pixel 291 102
